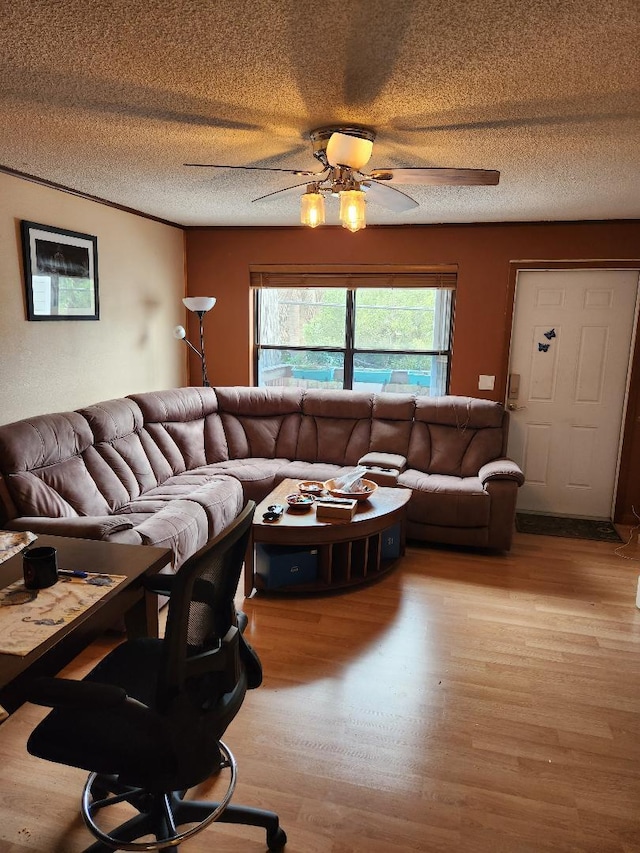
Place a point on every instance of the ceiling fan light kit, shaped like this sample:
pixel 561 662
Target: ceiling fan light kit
pixel 343 151
pixel 353 152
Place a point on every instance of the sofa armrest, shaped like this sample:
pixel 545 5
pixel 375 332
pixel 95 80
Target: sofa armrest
pixel 79 527
pixel 392 461
pixel 501 469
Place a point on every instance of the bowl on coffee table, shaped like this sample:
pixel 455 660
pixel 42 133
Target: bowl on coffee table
pixel 366 490
pixel 297 502
pixel 311 487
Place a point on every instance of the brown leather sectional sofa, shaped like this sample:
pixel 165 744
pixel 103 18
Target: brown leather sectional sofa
pixel 173 468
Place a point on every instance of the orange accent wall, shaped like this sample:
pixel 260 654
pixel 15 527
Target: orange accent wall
pixel 219 260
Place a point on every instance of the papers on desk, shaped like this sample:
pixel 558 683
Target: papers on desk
pixel 12 543
pixel 28 618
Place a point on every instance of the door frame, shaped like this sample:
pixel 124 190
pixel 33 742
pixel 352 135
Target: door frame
pixel 629 448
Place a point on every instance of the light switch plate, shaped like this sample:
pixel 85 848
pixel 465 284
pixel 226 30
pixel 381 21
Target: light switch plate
pixel 486 383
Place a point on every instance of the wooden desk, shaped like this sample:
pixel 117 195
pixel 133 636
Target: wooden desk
pixel 129 600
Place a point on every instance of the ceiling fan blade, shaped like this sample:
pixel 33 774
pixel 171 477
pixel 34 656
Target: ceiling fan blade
pixel 279 192
pixel 300 172
pixel 388 197
pixel 438 177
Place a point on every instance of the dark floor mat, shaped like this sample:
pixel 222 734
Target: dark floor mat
pixel 571 528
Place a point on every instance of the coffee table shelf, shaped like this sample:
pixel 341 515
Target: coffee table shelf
pixel 349 552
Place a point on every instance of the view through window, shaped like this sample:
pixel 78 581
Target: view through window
pixel 367 338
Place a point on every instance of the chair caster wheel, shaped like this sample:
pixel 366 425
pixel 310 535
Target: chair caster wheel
pixel 276 840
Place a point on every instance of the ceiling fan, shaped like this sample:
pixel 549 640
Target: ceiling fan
pixel 343 152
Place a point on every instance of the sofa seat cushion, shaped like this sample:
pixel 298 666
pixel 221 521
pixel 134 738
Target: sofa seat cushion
pixel 256 476
pixel 181 485
pixel 182 526
pixel 440 499
pixel 184 515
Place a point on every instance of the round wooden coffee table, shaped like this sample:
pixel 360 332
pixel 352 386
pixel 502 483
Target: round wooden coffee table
pixel 349 552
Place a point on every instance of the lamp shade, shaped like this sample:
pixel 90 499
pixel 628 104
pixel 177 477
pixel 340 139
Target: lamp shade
pixel 352 209
pixel 199 303
pixel 312 209
pixel 179 332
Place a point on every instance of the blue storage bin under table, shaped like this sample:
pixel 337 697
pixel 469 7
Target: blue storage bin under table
pixel 390 543
pixel 283 565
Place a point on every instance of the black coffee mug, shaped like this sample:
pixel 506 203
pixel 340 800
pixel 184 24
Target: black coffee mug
pixel 40 567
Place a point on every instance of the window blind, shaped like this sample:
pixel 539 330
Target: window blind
pixel 297 278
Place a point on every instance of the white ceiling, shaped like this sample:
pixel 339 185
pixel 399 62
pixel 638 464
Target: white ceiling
pixel 111 98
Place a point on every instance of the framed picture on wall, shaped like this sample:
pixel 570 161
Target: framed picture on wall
pixel 60 273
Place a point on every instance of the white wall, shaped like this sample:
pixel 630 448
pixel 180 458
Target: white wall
pixel 55 366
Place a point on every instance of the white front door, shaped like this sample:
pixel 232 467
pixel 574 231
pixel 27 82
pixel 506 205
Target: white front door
pixel 569 365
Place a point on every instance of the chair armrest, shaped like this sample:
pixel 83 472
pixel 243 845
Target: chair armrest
pixel 501 469
pixel 66 693
pixel 162 584
pixel 89 703
pixel 80 527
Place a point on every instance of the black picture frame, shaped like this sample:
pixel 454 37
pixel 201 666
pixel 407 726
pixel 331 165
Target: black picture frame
pixel 60 273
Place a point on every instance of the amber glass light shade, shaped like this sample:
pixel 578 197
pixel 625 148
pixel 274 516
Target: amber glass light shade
pixel 312 209
pixel 352 210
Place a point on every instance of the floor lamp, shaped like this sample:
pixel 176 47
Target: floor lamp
pixel 199 305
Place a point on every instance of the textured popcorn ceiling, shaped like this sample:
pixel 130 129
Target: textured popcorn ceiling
pixel 112 98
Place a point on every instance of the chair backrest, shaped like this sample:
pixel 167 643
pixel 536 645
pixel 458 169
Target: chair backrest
pixel 202 646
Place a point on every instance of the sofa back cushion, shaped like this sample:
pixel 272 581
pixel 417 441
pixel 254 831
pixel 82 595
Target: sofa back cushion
pixel 392 422
pixel 124 462
pixel 43 466
pixel 335 427
pixel 260 423
pixel 455 435
pixel 185 427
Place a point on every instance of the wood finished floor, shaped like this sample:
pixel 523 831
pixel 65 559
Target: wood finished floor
pixel 465 703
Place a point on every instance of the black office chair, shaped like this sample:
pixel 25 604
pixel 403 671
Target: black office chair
pixel 148 719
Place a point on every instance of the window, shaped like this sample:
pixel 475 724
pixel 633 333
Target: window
pixel 368 338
